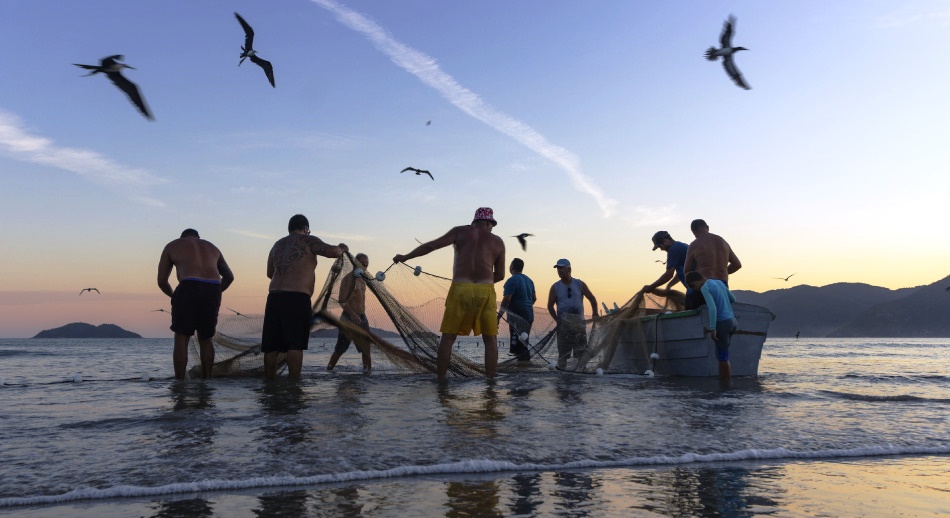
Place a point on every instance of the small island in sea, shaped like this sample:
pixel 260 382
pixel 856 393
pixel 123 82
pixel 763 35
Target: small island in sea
pixel 83 330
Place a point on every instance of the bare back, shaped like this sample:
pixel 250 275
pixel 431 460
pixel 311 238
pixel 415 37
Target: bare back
pixel 193 258
pixel 709 255
pixel 479 255
pixel 292 260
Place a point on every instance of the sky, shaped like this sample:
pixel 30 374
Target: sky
pixel 590 125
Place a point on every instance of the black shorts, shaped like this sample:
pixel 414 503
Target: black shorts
pixel 287 317
pixel 195 306
pixel 343 341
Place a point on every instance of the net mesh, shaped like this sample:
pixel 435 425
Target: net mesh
pixel 404 307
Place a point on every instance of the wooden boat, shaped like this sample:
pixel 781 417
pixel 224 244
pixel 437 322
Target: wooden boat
pixel 676 344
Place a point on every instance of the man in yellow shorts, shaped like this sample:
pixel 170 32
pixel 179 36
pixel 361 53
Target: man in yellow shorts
pixel 470 305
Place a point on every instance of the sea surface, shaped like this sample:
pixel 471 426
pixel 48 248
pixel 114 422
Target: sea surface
pixel 830 427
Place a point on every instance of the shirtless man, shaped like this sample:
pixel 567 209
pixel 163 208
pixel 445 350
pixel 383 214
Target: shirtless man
pixel 202 275
pixel 287 314
pixel 353 302
pixel 709 255
pixel 470 304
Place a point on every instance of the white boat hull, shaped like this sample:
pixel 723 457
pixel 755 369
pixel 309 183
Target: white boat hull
pixel 683 348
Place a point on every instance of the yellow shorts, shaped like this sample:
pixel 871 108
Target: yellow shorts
pixel 470 307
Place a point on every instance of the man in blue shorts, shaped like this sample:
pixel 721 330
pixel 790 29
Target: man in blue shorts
pixel 518 299
pixel 722 321
pixel 287 313
pixel 202 275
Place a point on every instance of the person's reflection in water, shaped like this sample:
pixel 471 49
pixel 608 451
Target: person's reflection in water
pixel 191 395
pixel 190 427
pixel 575 491
pixel 472 498
pixel 472 416
pixel 527 487
pixel 191 507
pixel 283 503
pixel 282 400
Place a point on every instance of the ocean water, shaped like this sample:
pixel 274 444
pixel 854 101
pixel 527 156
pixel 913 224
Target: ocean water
pixel 831 427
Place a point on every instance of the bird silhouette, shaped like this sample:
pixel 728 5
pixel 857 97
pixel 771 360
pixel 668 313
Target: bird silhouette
pixel 418 171
pixel 524 242
pixel 248 52
pixel 725 51
pixel 428 123
pixel 89 290
pixel 659 261
pixel 111 67
pixel 237 313
pixel 160 309
pixel 784 278
pixel 417 240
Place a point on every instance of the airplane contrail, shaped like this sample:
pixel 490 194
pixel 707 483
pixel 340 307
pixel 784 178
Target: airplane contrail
pixel 17 143
pixel 428 71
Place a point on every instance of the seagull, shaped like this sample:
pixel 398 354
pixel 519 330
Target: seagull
pixel 237 313
pixel 659 261
pixel 521 239
pixel 162 310
pixel 428 123
pixel 247 51
pixel 90 290
pixel 418 171
pixel 726 51
pixel 111 67
pixel 784 278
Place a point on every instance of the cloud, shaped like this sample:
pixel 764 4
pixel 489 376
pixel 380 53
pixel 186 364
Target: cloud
pixel 255 235
pixel 17 143
pixel 428 71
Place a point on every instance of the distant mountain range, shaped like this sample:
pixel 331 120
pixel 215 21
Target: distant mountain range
pixel 857 310
pixel 83 330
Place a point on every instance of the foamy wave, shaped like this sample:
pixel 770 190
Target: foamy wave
pixel 897 397
pixel 461 468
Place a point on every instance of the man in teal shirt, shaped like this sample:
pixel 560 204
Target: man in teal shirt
pixel 722 321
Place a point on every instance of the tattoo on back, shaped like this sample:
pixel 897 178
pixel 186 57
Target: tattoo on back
pixel 292 250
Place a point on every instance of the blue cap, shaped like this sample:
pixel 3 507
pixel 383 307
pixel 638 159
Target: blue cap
pixel 562 263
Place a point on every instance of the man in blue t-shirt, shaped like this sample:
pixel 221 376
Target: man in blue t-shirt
pixel 675 262
pixel 722 321
pixel 518 299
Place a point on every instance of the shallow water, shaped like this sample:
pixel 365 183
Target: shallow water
pixel 823 417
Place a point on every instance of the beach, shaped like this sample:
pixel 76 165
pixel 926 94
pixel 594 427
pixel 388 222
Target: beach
pixel 830 427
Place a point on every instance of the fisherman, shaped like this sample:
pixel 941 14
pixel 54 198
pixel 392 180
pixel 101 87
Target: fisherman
pixel 675 261
pixel 470 305
pixel 709 255
pixel 567 294
pixel 518 299
pixel 353 302
pixel 202 275
pixel 722 321
pixel 287 313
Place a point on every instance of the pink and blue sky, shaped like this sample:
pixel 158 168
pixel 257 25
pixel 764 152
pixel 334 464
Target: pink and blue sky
pixel 588 124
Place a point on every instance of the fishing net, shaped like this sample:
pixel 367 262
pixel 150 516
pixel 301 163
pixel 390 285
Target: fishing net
pixel 404 307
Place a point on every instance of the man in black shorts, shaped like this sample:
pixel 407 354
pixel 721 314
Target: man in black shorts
pixel 287 314
pixel 202 275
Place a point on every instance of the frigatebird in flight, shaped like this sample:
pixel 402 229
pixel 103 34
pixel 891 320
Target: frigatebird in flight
pixel 111 67
pixel 237 313
pixel 725 51
pixel 89 290
pixel 524 242
pixel 248 52
pixel 418 171
pixel 784 278
pixel 160 309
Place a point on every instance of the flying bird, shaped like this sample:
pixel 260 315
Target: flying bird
pixel 418 171
pixel 89 290
pixel 161 309
pixel 726 51
pixel 659 261
pixel 428 123
pixel 111 67
pixel 248 52
pixel 237 313
pixel 784 278
pixel 524 242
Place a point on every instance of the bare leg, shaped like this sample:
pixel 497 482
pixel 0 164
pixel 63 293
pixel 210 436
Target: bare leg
pixel 445 355
pixel 180 355
pixel 491 355
pixel 270 365
pixel 725 370
pixel 367 359
pixel 207 357
pixel 294 363
pixel 335 357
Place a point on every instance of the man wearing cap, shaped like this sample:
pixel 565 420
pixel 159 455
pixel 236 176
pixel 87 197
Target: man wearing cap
pixel 710 254
pixel 567 295
pixel 675 261
pixel 470 305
